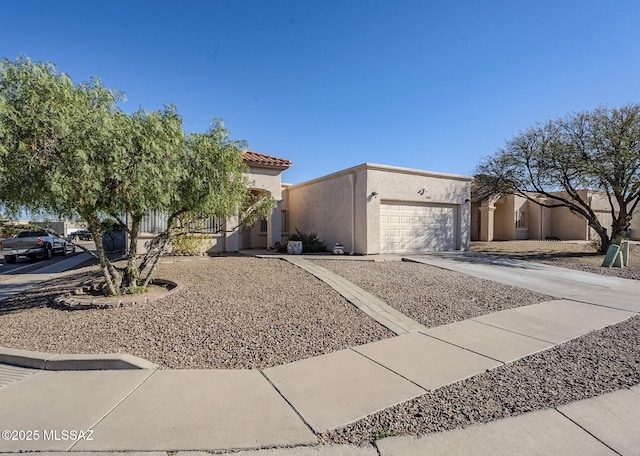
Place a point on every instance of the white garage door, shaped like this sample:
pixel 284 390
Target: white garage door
pixel 414 228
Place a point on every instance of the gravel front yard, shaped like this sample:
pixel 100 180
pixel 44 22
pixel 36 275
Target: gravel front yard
pixel 431 295
pixel 233 312
pixel 240 312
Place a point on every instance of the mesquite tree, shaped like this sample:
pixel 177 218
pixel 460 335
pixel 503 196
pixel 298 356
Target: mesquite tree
pixel 597 150
pixel 68 149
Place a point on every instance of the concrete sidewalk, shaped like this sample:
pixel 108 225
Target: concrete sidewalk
pixel 604 425
pixel 285 406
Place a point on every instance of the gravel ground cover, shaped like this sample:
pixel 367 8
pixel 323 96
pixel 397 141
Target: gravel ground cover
pixel 430 295
pixel 597 363
pixel 233 312
pixel 580 256
pixel 284 314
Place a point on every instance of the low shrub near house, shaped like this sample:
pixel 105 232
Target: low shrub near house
pixel 184 243
pixel 310 242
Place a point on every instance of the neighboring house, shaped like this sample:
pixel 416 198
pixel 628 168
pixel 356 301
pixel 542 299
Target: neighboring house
pixel 512 217
pixel 373 209
pixel 369 209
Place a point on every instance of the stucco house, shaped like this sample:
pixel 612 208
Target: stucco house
pixel 369 209
pixel 513 217
pixel 372 209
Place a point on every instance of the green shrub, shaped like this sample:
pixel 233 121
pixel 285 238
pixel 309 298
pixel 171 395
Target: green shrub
pixel 8 229
pixel 379 434
pixel 281 247
pixel 310 242
pixel 184 243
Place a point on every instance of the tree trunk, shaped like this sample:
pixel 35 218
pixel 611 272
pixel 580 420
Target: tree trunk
pixel 605 240
pixel 111 275
pixel 132 273
pixel 620 223
pixel 164 241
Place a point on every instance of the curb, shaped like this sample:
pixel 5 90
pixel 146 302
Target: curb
pixel 72 362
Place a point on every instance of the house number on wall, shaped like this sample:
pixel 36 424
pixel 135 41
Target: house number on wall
pixel 423 191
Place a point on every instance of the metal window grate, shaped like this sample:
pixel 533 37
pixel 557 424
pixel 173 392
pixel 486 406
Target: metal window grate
pixel 156 222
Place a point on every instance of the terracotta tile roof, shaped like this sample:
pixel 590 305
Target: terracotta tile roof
pixel 264 161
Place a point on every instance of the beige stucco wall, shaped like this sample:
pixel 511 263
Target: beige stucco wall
pixel 543 222
pixel 520 204
pixel 533 221
pixel 326 206
pixel 475 222
pixel 261 179
pixel 504 219
pixel 635 225
pixel 567 225
pixel 416 186
pixel 266 179
pixel 341 207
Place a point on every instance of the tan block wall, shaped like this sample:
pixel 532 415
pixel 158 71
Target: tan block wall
pixel 215 244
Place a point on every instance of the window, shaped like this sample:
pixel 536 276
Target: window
pixel 521 219
pixel 208 224
pixel 263 225
pixel 155 222
pixel 284 222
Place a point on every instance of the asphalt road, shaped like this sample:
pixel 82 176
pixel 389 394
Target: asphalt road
pixel 26 265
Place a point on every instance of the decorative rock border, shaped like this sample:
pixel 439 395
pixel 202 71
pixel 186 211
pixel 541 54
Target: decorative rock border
pixel 158 289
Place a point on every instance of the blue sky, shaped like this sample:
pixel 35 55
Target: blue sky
pixel 433 85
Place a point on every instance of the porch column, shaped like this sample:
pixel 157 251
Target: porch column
pixel 232 239
pixel 543 221
pixel 274 226
pixel 486 223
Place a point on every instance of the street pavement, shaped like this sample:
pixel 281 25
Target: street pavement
pixel 138 408
pixel 21 282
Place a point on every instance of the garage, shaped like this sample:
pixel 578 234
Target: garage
pixel 417 227
pixel 372 209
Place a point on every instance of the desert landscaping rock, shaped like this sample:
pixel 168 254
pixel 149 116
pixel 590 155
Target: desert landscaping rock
pixel 238 312
pixel 232 312
pixel 430 295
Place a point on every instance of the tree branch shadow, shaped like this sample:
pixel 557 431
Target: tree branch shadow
pixel 42 294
